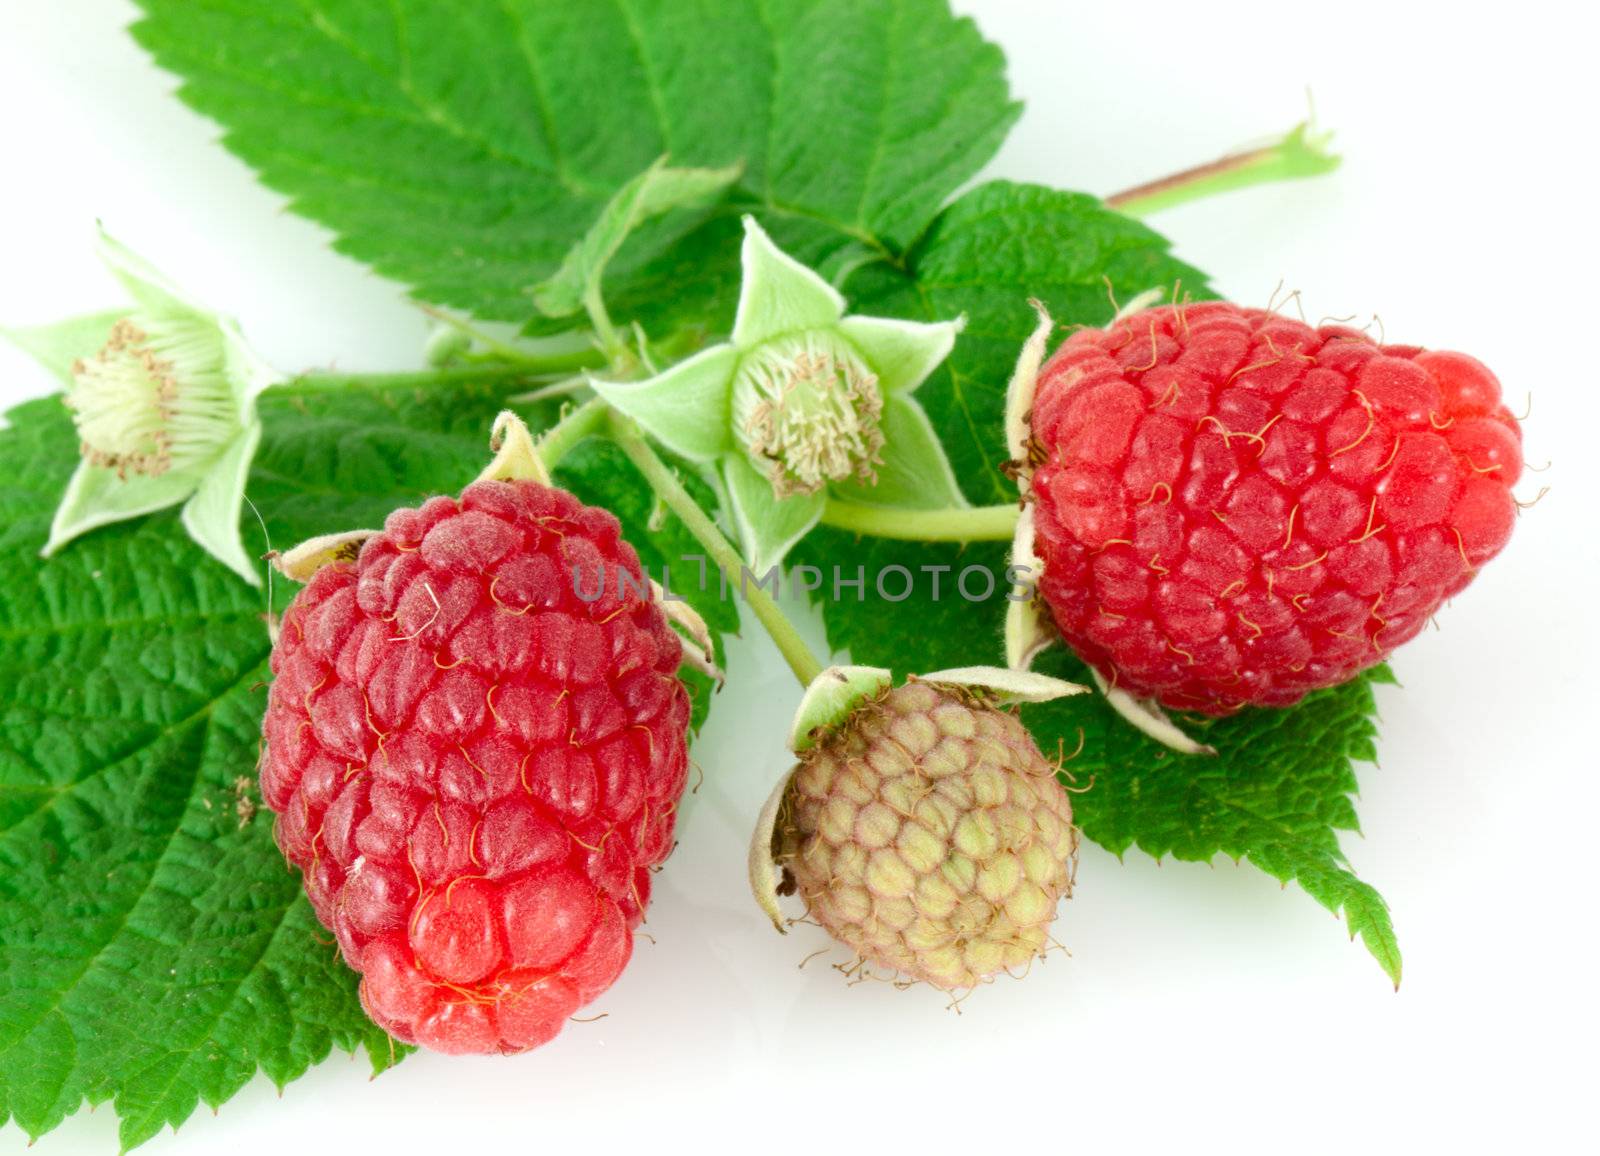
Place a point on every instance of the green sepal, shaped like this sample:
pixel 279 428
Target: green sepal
pixel 147 285
pixel 61 344
pixel 211 516
pixel 913 470
pixel 767 525
pixel 901 353
pixel 97 497
pixel 831 698
pixel 686 408
pixel 778 294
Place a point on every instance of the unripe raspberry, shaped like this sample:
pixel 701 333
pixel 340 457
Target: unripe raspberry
pixel 476 763
pixel 928 834
pixel 1234 508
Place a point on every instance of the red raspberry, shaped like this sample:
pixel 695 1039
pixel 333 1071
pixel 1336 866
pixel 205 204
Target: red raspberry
pixel 474 767
pixel 1235 508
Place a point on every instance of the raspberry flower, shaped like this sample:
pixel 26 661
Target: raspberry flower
pixel 921 825
pixel 801 403
pixel 164 399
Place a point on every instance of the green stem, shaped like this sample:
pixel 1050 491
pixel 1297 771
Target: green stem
pixel 610 340
pixel 557 441
pixel 1301 152
pixel 569 350
pixel 677 499
pixel 956 524
pixel 311 384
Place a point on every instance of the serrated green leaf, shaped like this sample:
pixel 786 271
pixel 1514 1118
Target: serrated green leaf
pixel 657 190
pixel 1279 789
pixel 464 148
pixel 154 951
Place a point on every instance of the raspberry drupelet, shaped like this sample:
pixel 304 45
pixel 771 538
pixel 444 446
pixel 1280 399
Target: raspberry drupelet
pixel 476 766
pixel 1232 507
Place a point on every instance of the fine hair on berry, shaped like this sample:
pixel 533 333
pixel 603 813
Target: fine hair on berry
pixel 1236 508
pixel 475 768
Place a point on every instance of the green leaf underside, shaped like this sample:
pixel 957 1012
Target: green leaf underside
pixel 461 149
pixel 153 951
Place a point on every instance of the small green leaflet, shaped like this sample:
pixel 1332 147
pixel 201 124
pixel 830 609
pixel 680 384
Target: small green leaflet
pixel 655 191
pixel 463 148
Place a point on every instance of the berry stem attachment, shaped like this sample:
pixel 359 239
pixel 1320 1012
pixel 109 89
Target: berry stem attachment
pixel 560 439
pixel 670 490
pixel 955 524
pixel 1301 152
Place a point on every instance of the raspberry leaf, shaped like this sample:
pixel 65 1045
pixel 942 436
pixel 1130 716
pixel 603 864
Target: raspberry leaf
pixel 483 125
pixel 153 950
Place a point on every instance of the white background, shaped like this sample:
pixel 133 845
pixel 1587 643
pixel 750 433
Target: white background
pixel 1202 1008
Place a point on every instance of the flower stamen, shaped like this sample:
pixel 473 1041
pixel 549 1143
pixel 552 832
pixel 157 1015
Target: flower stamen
pixel 154 398
pixel 809 412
